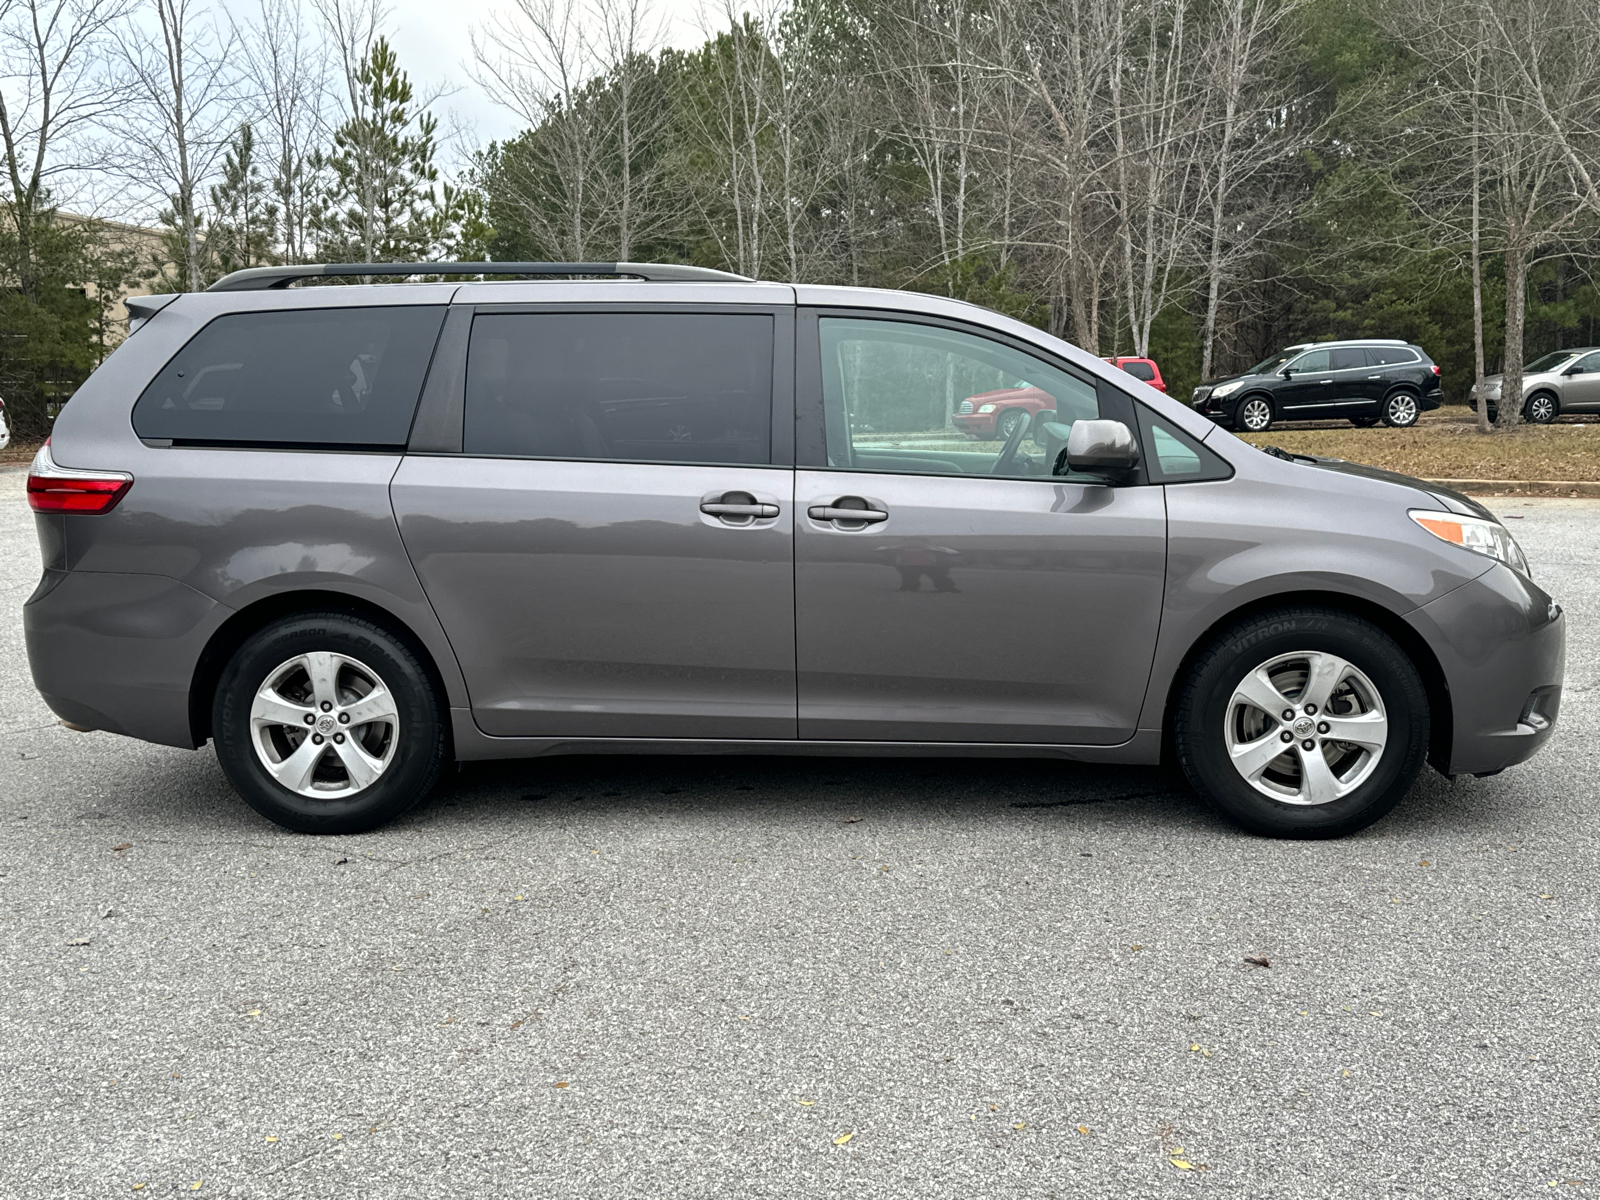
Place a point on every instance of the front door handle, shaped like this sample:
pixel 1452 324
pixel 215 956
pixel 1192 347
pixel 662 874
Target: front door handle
pixel 829 512
pixel 1372 377
pixel 1324 382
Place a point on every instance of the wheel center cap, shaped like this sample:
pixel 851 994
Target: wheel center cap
pixel 1304 727
pixel 326 724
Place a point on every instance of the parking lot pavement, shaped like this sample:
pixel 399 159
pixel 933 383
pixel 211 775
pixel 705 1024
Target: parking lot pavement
pixel 676 977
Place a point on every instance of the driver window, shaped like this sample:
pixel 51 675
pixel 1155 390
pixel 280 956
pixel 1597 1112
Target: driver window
pixel 1311 360
pixel 905 398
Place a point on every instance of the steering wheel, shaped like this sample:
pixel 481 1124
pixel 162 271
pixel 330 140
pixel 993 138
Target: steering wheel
pixel 1008 452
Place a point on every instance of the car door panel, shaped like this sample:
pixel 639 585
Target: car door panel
pixel 1581 392
pixel 597 599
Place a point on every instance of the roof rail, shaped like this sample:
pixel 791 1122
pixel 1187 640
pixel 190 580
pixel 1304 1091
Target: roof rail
pixel 254 279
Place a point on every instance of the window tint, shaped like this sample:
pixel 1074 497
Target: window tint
pixel 923 400
pixel 624 387
pixel 319 377
pixel 1346 358
pixel 1311 360
pixel 1389 356
pixel 1139 370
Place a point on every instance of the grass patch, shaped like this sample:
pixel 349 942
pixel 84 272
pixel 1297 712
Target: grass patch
pixel 21 450
pixel 1446 444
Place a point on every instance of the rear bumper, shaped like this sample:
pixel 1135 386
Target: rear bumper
pixel 1501 642
pixel 118 651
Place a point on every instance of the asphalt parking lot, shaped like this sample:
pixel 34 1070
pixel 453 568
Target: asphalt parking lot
pixel 663 977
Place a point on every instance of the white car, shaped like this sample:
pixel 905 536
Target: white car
pixel 5 431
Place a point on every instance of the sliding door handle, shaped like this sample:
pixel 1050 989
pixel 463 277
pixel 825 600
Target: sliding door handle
pixel 719 509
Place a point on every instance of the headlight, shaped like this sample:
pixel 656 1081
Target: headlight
pixel 1227 389
pixel 1474 533
pixel 986 408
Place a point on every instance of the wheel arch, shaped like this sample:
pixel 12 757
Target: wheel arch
pixel 238 628
pixel 1441 724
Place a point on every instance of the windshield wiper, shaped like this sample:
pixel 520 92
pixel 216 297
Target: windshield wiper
pixel 1287 456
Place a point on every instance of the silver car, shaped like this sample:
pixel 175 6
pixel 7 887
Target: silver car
pixel 348 534
pixel 1563 381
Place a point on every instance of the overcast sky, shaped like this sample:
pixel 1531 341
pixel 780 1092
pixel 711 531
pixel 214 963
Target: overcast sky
pixel 433 41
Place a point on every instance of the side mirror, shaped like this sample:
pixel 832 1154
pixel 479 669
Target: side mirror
pixel 1574 369
pixel 1287 372
pixel 1100 448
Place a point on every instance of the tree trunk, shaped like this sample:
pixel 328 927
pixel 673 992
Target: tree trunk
pixel 1477 279
pixel 1510 413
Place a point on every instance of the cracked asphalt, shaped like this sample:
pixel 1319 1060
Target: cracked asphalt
pixel 677 977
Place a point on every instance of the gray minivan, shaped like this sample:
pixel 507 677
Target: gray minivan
pixel 348 533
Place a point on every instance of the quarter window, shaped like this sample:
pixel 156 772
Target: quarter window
pixel 1139 370
pixel 305 377
pixel 622 387
pixel 920 399
pixel 1390 356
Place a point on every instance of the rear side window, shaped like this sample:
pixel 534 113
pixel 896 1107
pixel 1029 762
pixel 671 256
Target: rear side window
pixel 307 377
pixel 1389 356
pixel 1346 358
pixel 621 387
pixel 1139 370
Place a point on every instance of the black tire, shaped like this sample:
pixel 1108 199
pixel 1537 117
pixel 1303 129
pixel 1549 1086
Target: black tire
pixel 413 748
pixel 1401 410
pixel 1363 422
pixel 1253 414
pixel 1206 706
pixel 1541 408
pixel 1007 423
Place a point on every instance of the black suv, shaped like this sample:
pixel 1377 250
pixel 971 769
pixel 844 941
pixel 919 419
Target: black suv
pixel 1366 381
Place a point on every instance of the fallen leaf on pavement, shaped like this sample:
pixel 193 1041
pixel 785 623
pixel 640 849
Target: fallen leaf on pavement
pixel 1083 1129
pixel 341 862
pixel 1257 960
pixel 1020 1125
pixel 843 1138
pixel 139 1187
pixel 122 846
pixel 805 1103
pixel 850 821
pixel 195 1186
pixel 270 1138
pixel 1181 1164
pixel 563 1083
pixel 254 1012
pixel 78 942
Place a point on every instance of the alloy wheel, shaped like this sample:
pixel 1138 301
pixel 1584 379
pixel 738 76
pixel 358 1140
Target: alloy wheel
pixel 1402 410
pixel 1306 728
pixel 1255 415
pixel 324 725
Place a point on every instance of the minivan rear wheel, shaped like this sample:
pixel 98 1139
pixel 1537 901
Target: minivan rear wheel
pixel 328 723
pixel 1302 723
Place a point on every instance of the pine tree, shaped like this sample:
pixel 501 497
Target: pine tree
pixel 244 221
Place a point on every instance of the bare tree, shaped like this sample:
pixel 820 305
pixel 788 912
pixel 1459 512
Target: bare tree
pixel 58 87
pixel 184 105
pixel 289 75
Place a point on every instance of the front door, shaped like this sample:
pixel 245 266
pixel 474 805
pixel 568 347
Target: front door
pixel 611 554
pixel 1580 391
pixel 978 597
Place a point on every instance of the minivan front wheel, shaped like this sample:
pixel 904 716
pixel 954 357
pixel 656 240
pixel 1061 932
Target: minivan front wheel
pixel 1541 409
pixel 328 723
pixel 1254 414
pixel 1303 722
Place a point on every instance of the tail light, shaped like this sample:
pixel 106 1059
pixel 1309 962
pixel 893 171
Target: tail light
pixel 1436 371
pixel 53 489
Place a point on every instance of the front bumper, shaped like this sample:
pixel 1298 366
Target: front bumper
pixel 977 424
pixel 1501 642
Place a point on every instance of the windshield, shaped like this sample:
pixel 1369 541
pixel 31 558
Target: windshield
pixel 1548 363
pixel 1269 365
